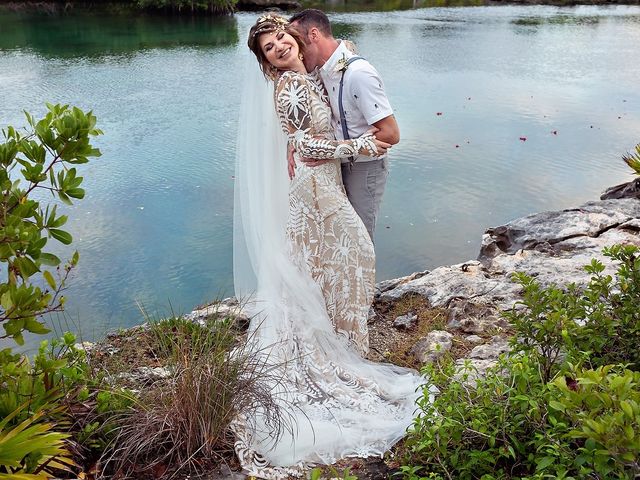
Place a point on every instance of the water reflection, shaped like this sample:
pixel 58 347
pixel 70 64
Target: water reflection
pixel 345 30
pixel 155 226
pixel 557 20
pixel 386 5
pixel 92 35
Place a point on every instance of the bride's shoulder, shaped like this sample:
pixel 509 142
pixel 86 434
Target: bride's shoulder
pixel 290 76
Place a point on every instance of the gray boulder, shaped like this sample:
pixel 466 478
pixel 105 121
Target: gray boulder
pixel 428 349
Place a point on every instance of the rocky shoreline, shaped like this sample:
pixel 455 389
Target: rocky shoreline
pixel 458 309
pixel 551 246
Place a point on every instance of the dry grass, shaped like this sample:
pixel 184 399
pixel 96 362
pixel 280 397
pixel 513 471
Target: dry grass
pixel 391 344
pixel 181 424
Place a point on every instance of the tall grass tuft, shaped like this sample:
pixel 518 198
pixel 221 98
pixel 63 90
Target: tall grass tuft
pixel 182 421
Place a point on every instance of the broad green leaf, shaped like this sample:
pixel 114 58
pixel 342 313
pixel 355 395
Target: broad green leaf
pixel 626 408
pixel 26 266
pixel 49 259
pixel 544 462
pixel 557 405
pixel 35 326
pixel 61 236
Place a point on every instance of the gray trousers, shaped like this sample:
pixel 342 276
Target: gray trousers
pixel 364 183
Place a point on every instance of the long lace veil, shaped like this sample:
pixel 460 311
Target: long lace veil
pixel 261 183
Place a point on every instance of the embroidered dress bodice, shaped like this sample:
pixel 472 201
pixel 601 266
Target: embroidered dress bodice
pixel 325 232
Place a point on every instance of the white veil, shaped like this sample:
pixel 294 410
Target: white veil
pixel 261 182
pixel 343 404
pixel 263 269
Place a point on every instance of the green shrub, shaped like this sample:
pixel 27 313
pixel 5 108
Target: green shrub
pixel 41 159
pixel 496 428
pixel 212 6
pixel 603 408
pixel 598 324
pixel 60 377
pixel 563 404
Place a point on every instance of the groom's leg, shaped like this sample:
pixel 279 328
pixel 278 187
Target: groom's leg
pixel 365 183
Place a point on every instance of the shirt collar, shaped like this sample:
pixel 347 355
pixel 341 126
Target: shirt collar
pixel 330 66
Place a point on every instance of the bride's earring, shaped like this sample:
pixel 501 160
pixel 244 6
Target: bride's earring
pixel 301 56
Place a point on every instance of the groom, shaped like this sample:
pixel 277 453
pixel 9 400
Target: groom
pixel 364 104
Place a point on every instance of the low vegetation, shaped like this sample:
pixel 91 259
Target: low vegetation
pixel 563 404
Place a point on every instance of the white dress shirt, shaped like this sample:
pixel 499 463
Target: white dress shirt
pixel 363 97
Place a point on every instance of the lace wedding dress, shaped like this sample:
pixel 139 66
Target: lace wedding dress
pixel 307 262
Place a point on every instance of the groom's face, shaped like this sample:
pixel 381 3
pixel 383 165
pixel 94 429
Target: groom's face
pixel 311 52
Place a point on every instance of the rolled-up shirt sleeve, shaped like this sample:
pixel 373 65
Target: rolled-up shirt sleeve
pixel 367 91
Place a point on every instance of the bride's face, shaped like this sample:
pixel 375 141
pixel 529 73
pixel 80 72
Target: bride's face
pixel 280 49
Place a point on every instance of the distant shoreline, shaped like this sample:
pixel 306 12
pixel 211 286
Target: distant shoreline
pixel 223 7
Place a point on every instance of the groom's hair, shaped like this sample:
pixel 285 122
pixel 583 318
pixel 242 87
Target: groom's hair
pixel 312 17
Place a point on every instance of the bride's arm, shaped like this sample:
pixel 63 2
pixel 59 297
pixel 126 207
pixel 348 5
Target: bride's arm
pixel 293 105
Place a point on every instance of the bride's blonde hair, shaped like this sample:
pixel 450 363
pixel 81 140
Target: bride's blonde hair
pixel 270 23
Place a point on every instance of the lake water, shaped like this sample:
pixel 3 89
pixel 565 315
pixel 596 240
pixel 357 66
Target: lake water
pixel 467 83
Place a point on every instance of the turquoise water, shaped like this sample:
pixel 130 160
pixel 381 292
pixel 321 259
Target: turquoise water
pixel 155 227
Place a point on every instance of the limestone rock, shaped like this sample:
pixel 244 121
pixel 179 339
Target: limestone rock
pixel 372 316
pixel 86 346
pixel 470 370
pixel 544 231
pixel 387 285
pixel 144 376
pixel 406 322
pixel 229 307
pixel 553 247
pixel 491 350
pixel 433 346
pixel 624 190
pixel 475 339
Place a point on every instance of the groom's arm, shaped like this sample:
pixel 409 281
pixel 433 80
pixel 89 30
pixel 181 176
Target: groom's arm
pixel 388 130
pixel 367 90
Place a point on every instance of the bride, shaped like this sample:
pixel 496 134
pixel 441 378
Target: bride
pixel 305 261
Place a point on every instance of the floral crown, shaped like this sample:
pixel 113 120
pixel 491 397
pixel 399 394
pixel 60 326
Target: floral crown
pixel 270 20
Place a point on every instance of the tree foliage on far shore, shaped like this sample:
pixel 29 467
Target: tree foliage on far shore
pixel 180 7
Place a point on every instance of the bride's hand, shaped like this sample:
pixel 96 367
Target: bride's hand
pixel 381 146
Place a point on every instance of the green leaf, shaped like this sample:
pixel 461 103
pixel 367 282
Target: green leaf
pixel 75 193
pixel 49 278
pixel 18 338
pixel 49 259
pixel 544 462
pixel 34 326
pixel 626 408
pixel 5 300
pixel 26 266
pixel 557 405
pixel 65 198
pixel 61 236
pixel 629 433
